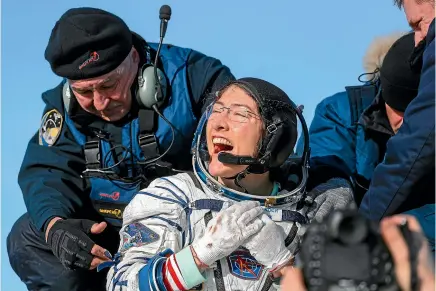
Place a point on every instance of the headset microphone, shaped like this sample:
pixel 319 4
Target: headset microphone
pixel 152 99
pixel 164 15
pixel 227 158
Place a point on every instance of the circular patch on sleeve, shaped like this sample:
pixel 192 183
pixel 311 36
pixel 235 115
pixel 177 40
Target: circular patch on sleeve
pixel 51 127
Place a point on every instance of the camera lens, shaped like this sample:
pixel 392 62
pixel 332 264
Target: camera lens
pixel 348 228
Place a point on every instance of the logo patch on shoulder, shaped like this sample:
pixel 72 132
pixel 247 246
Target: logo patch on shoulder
pixel 244 266
pixel 51 127
pixel 137 234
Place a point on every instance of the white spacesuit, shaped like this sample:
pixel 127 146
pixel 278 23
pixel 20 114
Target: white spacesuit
pixel 176 216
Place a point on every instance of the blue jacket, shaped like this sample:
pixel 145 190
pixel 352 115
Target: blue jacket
pixel 347 137
pixel 51 176
pixel 348 146
pixel 410 158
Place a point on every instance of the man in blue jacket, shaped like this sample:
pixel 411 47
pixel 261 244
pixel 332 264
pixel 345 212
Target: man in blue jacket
pixel 103 133
pixel 408 170
pixel 350 130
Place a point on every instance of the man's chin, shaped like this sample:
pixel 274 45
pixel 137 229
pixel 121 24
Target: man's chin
pixel 113 117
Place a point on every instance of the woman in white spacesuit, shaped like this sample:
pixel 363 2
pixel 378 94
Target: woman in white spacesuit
pixel 234 222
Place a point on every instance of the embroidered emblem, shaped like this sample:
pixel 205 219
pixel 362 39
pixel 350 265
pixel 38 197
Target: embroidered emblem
pixel 244 266
pixel 137 234
pixel 93 57
pixel 114 213
pixel 50 129
pixel 114 196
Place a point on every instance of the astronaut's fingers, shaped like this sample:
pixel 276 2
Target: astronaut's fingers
pixel 252 228
pixel 249 215
pixel 240 208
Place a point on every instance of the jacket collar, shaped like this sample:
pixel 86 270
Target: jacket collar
pixel 374 118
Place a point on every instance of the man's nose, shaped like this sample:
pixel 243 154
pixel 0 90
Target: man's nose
pixel 100 101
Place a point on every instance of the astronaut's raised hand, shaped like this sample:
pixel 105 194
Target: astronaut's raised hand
pixel 227 231
pixel 268 245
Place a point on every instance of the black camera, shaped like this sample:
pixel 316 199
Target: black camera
pixel 346 252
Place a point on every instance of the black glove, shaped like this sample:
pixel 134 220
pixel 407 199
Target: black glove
pixel 70 242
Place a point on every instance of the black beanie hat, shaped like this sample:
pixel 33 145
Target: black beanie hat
pixel 399 83
pixel 87 42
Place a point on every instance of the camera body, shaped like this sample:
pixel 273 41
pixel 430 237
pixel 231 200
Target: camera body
pixel 345 252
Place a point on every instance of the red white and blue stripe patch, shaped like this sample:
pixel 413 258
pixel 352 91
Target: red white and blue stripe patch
pixel 172 276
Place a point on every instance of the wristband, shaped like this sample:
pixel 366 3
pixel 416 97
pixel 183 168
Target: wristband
pixel 188 268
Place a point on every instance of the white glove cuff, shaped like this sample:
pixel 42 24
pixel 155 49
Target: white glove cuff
pixel 282 259
pixel 205 255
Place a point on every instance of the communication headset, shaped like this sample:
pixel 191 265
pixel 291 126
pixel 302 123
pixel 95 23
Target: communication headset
pixel 152 85
pixel 152 82
pixel 152 89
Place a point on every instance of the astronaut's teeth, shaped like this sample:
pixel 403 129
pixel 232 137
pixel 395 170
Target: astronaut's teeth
pixel 221 140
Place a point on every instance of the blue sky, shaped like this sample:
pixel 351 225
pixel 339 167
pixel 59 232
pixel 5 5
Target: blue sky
pixel 311 49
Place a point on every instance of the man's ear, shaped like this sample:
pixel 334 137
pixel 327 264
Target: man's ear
pixel 135 55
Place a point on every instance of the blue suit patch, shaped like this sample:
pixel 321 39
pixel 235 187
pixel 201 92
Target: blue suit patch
pixel 137 234
pixel 244 266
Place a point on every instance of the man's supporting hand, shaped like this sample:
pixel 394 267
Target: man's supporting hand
pixel 70 242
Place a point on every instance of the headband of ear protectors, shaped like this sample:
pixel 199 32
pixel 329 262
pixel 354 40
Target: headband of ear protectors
pixel 280 117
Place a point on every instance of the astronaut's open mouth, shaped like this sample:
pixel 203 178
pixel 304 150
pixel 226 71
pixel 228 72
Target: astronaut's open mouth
pixel 222 148
pixel 221 145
